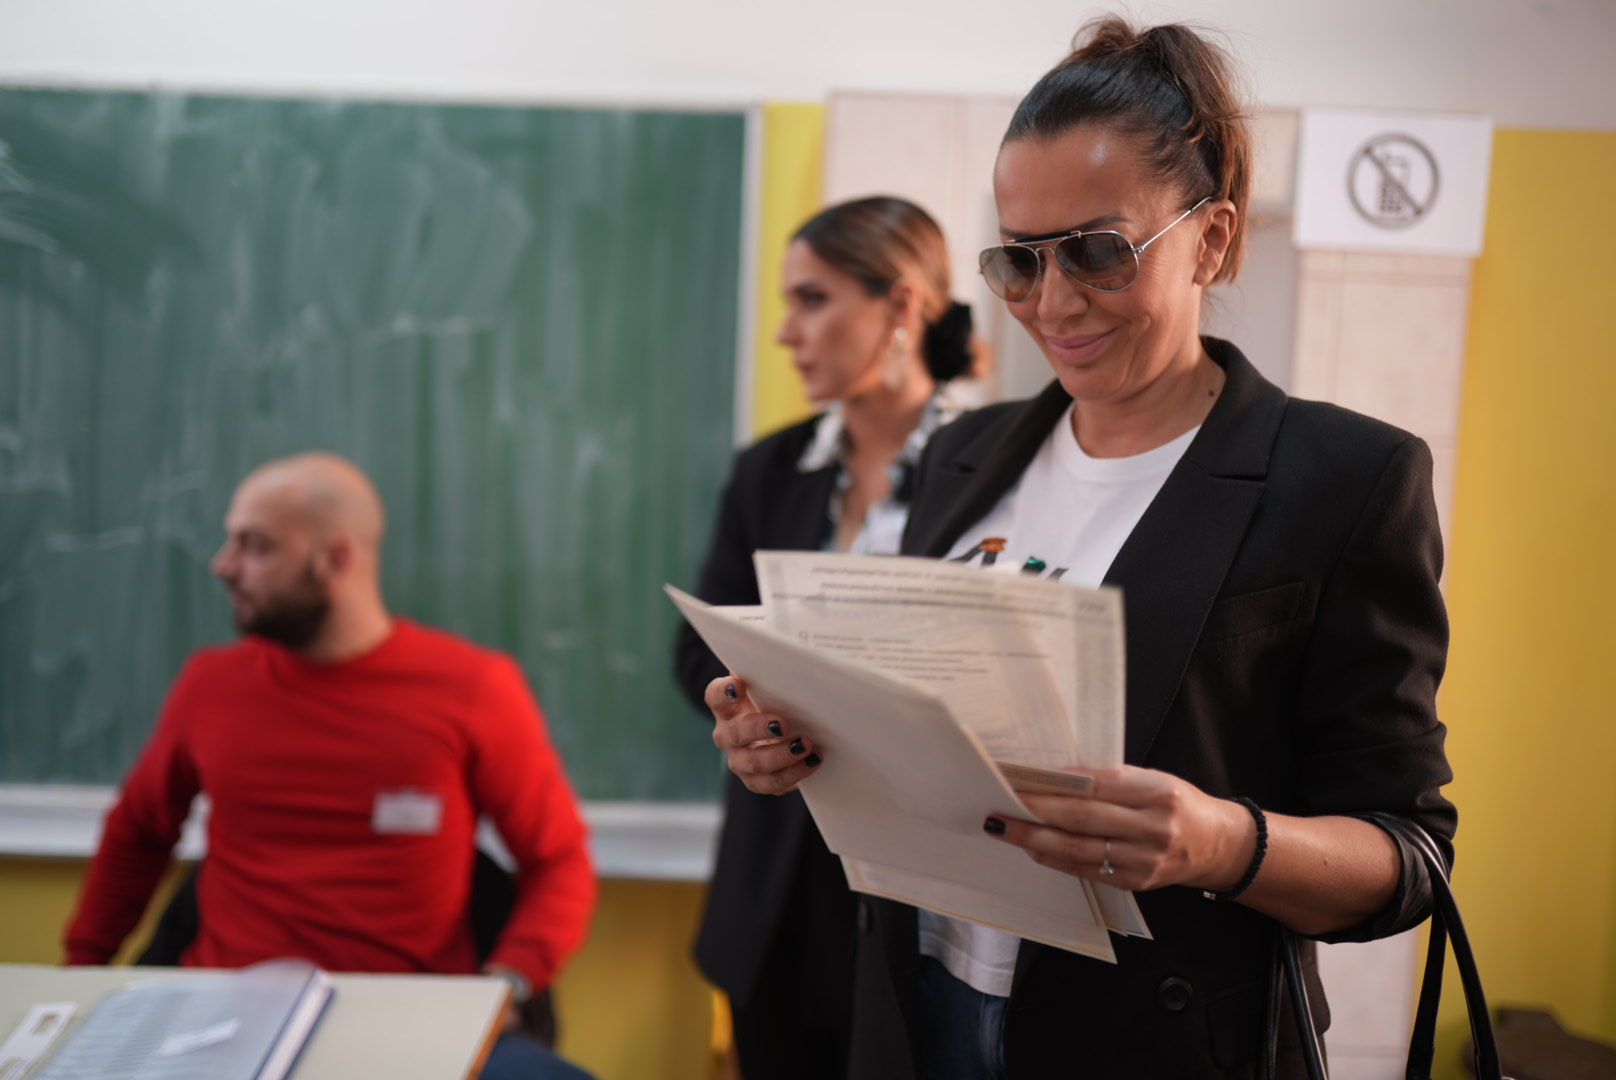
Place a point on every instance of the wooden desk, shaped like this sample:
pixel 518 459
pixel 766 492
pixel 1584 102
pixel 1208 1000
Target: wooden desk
pixel 403 1027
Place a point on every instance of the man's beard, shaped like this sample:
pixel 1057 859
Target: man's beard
pixel 293 617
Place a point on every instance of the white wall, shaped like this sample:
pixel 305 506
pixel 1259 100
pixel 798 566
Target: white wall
pixel 1544 63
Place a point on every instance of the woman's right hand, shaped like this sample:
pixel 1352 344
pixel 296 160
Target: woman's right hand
pixel 759 747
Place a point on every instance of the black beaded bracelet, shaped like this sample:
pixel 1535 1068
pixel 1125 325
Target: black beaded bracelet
pixel 1256 856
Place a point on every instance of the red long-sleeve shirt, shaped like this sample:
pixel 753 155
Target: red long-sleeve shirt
pixel 302 858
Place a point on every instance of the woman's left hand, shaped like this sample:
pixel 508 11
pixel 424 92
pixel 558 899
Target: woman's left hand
pixel 1149 828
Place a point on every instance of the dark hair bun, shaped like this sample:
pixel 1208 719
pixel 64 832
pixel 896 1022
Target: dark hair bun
pixel 948 344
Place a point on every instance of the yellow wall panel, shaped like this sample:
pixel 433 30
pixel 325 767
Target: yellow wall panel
pixel 1530 697
pixel 793 161
pixel 35 899
pixel 632 1004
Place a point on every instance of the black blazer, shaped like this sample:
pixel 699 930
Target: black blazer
pixel 768 505
pixel 1285 637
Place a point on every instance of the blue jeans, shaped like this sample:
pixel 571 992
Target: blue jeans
pixel 961 1031
pixel 516 1057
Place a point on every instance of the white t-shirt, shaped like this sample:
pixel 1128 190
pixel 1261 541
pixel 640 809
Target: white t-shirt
pixel 1070 514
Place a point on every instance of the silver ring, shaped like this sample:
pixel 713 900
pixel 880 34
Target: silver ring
pixel 1105 864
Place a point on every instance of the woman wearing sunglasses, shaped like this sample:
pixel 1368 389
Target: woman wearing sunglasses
pixel 1285 635
pixel 875 337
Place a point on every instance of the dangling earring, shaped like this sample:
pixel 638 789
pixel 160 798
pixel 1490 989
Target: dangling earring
pixel 895 371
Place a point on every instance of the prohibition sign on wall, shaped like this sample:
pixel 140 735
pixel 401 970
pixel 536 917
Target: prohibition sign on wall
pixel 1407 182
pixel 1393 181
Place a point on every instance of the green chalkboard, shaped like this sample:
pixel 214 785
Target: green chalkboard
pixel 520 321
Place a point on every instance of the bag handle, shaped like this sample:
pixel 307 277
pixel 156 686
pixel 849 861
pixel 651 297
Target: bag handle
pixel 1312 1050
pixel 1445 924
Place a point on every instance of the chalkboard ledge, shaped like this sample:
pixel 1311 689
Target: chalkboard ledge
pixel 640 840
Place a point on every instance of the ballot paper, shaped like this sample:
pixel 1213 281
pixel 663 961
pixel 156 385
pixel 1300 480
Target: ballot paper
pixel 1033 667
pixel 911 676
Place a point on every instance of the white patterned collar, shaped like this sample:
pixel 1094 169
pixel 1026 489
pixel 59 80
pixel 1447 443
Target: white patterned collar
pixel 882 530
pixel 829 445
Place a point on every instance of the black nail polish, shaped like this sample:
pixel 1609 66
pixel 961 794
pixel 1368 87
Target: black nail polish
pixel 729 692
pixel 796 746
pixel 812 761
pixel 775 729
pixel 993 826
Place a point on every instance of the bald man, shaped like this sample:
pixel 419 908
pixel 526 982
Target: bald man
pixel 302 557
pixel 347 754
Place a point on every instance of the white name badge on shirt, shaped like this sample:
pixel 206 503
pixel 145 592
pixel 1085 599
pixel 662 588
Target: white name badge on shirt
pixel 409 812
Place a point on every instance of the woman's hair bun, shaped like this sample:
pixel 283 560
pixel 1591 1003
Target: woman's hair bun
pixel 1105 36
pixel 948 344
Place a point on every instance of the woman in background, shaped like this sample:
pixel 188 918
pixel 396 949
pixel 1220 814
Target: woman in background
pixel 875 337
pixel 1285 632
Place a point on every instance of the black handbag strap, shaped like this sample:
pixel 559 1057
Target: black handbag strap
pixel 1445 925
pixel 1276 979
pixel 1312 1050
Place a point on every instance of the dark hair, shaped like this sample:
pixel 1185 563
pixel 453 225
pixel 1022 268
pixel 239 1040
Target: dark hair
pixel 1167 88
pixel 883 238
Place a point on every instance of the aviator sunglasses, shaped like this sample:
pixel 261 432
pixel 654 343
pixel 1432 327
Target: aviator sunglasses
pixel 1103 260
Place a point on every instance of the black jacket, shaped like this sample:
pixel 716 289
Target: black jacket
pixel 769 845
pixel 1285 637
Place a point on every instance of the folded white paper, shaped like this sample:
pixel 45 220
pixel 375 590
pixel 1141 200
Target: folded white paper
pixel 904 704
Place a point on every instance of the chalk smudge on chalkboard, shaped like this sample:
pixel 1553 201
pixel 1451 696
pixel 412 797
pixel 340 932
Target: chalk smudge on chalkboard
pixel 60 543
